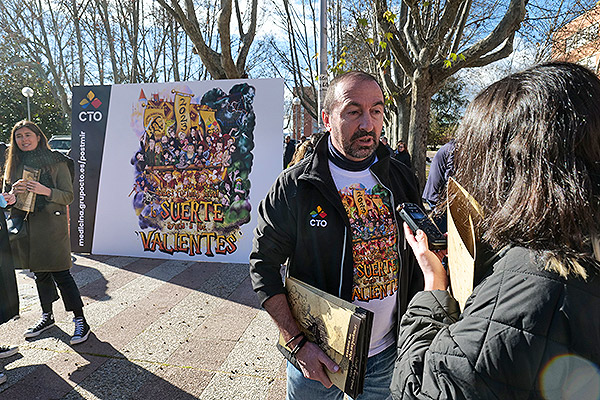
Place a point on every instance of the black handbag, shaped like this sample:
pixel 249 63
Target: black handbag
pixel 16 227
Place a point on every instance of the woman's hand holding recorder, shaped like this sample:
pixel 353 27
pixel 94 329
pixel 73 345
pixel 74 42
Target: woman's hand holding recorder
pixel 434 272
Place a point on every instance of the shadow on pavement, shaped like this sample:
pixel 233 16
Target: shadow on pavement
pixel 95 367
pixel 227 281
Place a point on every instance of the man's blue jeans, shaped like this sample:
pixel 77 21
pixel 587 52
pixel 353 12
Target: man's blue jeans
pixel 377 381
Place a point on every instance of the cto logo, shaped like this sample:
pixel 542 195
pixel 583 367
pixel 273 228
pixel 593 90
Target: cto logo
pixel 318 218
pixel 91 115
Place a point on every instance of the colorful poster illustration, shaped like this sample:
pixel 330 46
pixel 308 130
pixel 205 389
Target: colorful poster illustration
pixel 191 185
pixel 374 242
pixel 195 158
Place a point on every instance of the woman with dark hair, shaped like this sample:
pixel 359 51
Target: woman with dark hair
pixel 528 150
pixel 46 250
pixel 401 154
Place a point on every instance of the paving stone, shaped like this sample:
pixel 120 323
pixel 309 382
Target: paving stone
pixel 278 389
pixel 236 387
pixel 190 384
pixel 43 383
pixel 161 329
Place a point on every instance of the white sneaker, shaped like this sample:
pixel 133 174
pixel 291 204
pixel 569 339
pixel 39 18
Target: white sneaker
pixel 82 331
pixel 7 351
pixel 46 322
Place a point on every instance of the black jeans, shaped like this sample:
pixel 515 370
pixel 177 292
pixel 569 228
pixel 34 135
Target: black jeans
pixel 47 282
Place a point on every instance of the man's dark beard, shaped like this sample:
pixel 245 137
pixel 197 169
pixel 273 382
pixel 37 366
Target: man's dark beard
pixel 360 152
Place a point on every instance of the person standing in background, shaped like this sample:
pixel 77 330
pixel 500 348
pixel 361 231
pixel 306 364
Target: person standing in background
pixel 9 295
pixel 46 250
pixel 402 154
pixel 384 141
pixel 289 147
pixel 442 167
pixel 305 149
pixel 434 194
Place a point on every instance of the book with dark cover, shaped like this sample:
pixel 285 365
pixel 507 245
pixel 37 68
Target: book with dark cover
pixel 341 329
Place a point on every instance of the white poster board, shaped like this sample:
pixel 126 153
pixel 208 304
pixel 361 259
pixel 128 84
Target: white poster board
pixel 184 167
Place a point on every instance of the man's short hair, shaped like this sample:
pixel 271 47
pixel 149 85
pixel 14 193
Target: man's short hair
pixel 330 97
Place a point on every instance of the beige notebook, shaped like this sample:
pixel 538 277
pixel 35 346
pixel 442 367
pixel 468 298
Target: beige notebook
pixel 26 201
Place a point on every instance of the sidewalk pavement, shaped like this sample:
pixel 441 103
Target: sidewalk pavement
pixel 161 329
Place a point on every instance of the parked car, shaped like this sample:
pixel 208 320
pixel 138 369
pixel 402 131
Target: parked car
pixel 61 143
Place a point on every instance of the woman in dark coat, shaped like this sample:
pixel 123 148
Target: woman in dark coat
pixel 528 150
pixel 9 295
pixel 47 250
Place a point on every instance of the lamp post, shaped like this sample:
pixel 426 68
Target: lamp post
pixel 27 92
pixel 322 70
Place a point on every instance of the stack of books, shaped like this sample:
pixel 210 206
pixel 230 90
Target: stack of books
pixel 341 329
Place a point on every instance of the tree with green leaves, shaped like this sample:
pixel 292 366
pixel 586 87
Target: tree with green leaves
pixel 426 40
pixel 16 74
pixel 447 106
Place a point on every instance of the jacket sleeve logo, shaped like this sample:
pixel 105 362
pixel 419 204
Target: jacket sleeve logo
pixel 318 218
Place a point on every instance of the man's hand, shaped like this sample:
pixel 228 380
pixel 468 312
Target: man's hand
pixel 313 362
pixel 311 358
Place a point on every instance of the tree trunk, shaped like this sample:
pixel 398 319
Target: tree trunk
pixel 104 16
pixel 392 126
pixel 419 123
pixel 403 119
pixel 172 27
pixel 75 11
pixel 135 15
pixel 219 65
pixel 399 120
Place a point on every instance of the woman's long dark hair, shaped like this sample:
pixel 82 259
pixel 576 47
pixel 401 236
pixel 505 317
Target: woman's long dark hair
pixel 528 150
pixel 15 154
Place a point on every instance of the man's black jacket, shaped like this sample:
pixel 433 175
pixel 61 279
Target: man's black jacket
pixel 302 218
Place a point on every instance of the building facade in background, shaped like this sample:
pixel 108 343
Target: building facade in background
pixel 579 41
pixel 303 124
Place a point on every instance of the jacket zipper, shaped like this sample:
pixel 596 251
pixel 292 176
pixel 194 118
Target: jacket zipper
pixel 342 263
